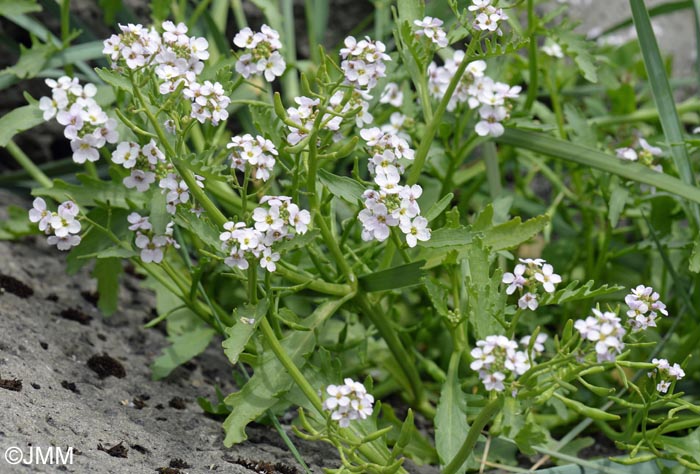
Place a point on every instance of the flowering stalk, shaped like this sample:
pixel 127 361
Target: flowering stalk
pixel 200 196
pixel 431 129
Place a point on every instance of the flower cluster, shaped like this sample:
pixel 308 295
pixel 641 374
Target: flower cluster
pixel 348 402
pixel 277 220
pixel 61 226
pixel 303 118
pixel 87 126
pixel 142 161
pixel 262 55
pixel 392 204
pixel 605 329
pixel 487 15
pixel 177 60
pixel 530 274
pixel 256 153
pixel 477 90
pixel 363 62
pixel 152 245
pixel 497 357
pixel 177 192
pixel 667 374
pixel 644 306
pixel 431 28
pixel 209 101
pixel 134 47
pixel 356 100
pixel 645 153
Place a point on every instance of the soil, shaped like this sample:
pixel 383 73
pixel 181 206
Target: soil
pixel 85 382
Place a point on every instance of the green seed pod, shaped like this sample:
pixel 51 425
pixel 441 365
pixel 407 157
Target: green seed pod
pixel 593 413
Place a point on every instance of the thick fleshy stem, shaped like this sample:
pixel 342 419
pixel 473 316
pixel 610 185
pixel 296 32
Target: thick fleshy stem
pixel 485 415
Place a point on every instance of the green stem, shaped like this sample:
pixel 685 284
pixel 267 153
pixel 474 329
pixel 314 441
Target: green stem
pixel 25 162
pixel 291 79
pixel 485 415
pixel 212 211
pixel 556 102
pixel 312 283
pixel 65 31
pixel 644 115
pixel 532 56
pixel 239 14
pixel 429 134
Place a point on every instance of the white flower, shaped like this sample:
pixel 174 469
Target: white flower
pixel 40 214
pixel 138 222
pixel 348 402
pixel 151 248
pixel 65 242
pixel 494 381
pixel 626 153
pixel 515 280
pixel 139 179
pixel 490 123
pixel 268 259
pixel 528 301
pixel 126 154
pixel 391 95
pixel 548 278
pixel 415 230
pixel 551 48
pixel 85 149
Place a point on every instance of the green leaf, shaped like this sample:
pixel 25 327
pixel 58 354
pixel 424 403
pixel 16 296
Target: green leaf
pixel 94 240
pixel 446 237
pixel 687 447
pixel 201 228
pixel 451 425
pixel 271 380
pixel 79 52
pixel 572 293
pixel 31 60
pixel 246 319
pixel 618 199
pixel 114 79
pixel 183 348
pixel 581 131
pixel 663 96
pixel 514 232
pixel 159 215
pixel 410 10
pixel 438 207
pixel 21 119
pixel 110 9
pixel 114 252
pixel 93 191
pixel 530 435
pixel 576 46
pixel 17 224
pixel 18 7
pixel 299 241
pixel 107 271
pixel 568 151
pixel 342 186
pixel 694 265
pixel 401 276
pixel 487 303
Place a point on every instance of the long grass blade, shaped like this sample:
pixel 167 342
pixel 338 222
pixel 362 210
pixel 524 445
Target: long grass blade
pixel 663 96
pixel 562 149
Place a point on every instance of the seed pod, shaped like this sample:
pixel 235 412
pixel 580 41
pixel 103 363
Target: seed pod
pixel 590 412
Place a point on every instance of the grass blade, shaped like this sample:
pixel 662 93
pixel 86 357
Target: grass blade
pixel 562 149
pixel 663 96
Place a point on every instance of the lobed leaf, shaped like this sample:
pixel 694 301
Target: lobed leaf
pixel 247 318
